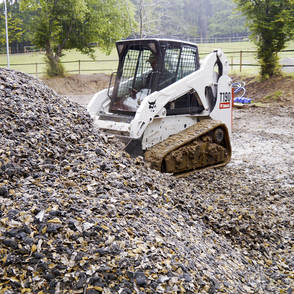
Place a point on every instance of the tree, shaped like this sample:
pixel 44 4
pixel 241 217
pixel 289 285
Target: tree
pixel 150 14
pixel 15 24
pixel 188 18
pixel 272 25
pixel 225 20
pixel 60 25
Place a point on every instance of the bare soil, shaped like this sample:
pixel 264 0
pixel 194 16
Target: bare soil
pixel 78 84
pixel 278 90
pixel 79 88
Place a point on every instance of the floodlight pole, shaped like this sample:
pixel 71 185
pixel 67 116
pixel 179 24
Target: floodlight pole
pixel 6 28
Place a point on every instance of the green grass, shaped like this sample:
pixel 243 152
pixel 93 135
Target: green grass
pixel 73 60
pixel 34 62
pixel 247 58
pixel 235 46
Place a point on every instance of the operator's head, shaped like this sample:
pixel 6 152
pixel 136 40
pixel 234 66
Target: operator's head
pixel 152 60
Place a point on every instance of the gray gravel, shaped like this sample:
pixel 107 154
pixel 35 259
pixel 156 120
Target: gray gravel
pixel 251 200
pixel 79 216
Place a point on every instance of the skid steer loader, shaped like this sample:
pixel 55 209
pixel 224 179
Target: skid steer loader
pixel 168 105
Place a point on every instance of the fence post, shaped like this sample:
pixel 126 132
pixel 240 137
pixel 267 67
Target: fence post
pixel 36 69
pixel 79 67
pixel 240 60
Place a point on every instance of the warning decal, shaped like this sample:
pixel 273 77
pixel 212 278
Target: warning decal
pixel 224 105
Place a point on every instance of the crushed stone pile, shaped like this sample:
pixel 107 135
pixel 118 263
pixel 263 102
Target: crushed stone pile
pixel 79 216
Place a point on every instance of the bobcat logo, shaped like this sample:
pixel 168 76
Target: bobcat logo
pixel 152 105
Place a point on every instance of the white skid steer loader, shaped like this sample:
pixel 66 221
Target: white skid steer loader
pixel 168 105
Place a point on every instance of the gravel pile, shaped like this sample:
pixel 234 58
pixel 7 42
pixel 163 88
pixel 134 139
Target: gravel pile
pixel 79 216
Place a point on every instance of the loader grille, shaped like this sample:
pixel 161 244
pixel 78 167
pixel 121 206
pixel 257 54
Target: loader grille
pixel 188 62
pixel 135 71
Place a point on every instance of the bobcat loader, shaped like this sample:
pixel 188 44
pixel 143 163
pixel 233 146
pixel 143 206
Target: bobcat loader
pixel 168 105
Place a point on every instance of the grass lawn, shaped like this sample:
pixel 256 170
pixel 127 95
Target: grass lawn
pixel 247 57
pixel 73 60
pixel 76 62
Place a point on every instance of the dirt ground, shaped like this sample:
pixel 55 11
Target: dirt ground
pixel 78 84
pixel 278 91
pixel 79 88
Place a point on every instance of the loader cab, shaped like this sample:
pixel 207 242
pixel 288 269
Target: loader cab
pixel 146 66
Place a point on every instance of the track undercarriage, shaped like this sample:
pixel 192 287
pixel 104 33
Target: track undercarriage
pixel 205 144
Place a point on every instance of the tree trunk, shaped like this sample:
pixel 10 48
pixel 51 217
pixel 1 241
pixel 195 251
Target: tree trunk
pixel 269 60
pixel 141 18
pixel 54 65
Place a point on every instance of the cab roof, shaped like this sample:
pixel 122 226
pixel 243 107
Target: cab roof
pixel 156 40
pixel 148 42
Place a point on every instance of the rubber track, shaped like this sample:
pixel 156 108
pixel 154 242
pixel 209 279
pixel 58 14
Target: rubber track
pixel 155 155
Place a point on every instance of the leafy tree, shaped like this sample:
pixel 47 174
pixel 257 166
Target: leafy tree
pixel 15 24
pixel 225 21
pixel 272 24
pixel 188 18
pixel 59 25
pixel 165 17
pixel 150 14
pixel 171 20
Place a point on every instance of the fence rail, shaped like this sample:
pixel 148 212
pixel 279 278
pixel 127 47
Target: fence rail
pixel 200 40
pixel 237 59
